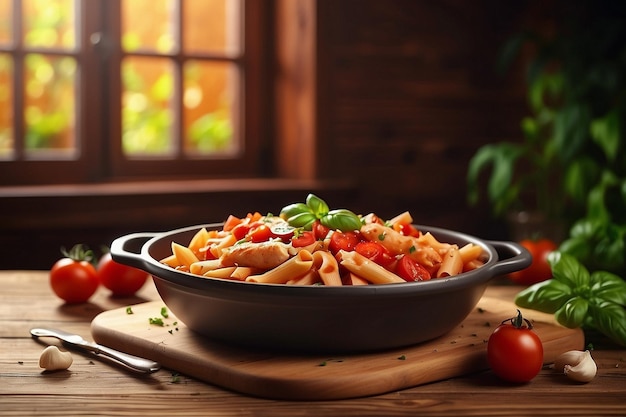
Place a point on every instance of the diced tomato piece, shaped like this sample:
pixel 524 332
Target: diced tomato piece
pixel 319 230
pixel 261 233
pixel 375 252
pixel 241 230
pixel 343 241
pixel 231 222
pixel 303 239
pixel 407 229
pixel 409 270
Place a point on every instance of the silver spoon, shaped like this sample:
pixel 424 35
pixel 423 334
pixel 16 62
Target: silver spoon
pixel 134 362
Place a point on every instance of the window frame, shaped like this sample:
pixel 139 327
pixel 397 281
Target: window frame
pixel 99 109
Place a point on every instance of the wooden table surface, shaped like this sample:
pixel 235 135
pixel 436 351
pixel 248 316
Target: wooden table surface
pixel 94 387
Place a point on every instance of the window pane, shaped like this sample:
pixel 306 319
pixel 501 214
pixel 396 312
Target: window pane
pixel 149 25
pixel 6 23
pixel 49 23
pixel 49 105
pixel 208 101
pixel 147 106
pixel 211 26
pixel 6 106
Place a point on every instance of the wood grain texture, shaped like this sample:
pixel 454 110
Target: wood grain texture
pixel 320 377
pixel 93 386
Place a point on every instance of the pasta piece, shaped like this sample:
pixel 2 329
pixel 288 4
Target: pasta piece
pixel 198 241
pixel 470 252
pixel 243 272
pixel 202 267
pixel 310 278
pixel 225 272
pixel 369 270
pixel 471 265
pixel 184 255
pixel 327 268
pixel 293 268
pixel 452 264
pixel 218 247
pixel 404 218
pixel 170 261
pixel 354 279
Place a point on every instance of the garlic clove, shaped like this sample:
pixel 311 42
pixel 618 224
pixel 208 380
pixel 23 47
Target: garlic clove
pixel 576 365
pixel 53 359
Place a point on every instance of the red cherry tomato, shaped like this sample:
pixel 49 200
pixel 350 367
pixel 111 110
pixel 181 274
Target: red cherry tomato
pixel 241 230
pixel 303 239
pixel 319 230
pixel 343 241
pixel 73 278
pixel 539 270
pixel 122 280
pixel 409 270
pixel 514 350
pixel 408 230
pixel 261 233
pixel 375 252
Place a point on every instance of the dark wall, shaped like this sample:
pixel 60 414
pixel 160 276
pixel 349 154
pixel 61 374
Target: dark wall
pixel 407 90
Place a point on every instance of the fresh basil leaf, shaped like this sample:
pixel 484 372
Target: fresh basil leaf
pixel 608 287
pixel 302 220
pixel 547 296
pixel 317 205
pixel 610 319
pixel 293 209
pixel 341 219
pixel 568 270
pixel 572 313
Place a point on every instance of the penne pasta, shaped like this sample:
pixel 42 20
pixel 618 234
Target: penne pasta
pixel 184 255
pixel 293 268
pixel 366 269
pixel 202 267
pixel 452 264
pixel 225 272
pixel 327 268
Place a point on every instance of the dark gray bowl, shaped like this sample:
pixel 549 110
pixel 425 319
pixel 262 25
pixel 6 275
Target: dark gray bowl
pixel 317 318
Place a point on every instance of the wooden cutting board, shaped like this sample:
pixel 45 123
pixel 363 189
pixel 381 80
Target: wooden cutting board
pixel 320 377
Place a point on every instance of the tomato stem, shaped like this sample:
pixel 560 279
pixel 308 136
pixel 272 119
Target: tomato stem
pixel 518 321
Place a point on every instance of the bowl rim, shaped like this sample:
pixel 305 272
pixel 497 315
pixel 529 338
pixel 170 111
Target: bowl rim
pixel 197 283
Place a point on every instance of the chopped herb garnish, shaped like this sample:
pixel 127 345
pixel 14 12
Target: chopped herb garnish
pixel 170 331
pixel 322 363
pixel 129 310
pixel 175 378
pixel 412 249
pixel 402 358
pixel 381 236
pixel 157 321
pixel 164 312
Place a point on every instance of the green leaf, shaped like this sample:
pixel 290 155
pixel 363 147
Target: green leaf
pixel 570 129
pixel 606 133
pixel 610 319
pixel 572 313
pixel 317 205
pixel 293 209
pixel 580 176
pixel 546 296
pixel 608 287
pixel 302 220
pixel 341 219
pixel 566 269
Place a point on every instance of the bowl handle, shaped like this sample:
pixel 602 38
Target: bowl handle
pixel 127 249
pixel 511 257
